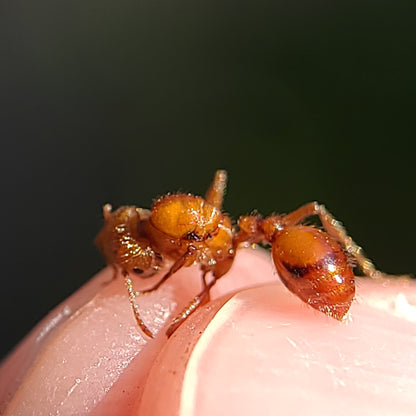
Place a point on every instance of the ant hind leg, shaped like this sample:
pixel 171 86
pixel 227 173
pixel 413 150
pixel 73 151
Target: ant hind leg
pixel 336 230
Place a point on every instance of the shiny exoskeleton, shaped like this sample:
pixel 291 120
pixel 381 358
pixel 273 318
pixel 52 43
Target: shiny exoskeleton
pixel 184 229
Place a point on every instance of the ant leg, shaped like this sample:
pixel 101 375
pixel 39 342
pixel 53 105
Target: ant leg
pixel 337 231
pixel 301 213
pixel 205 285
pixel 215 193
pixel 132 296
pixel 114 267
pixel 192 306
pixel 107 211
pixel 186 258
pixel 189 254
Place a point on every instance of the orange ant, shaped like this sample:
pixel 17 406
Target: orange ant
pixel 312 263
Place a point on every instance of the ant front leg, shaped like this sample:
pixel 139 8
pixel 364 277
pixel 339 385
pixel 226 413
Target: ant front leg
pixel 132 296
pixel 192 306
pixel 336 230
pixel 187 258
pixel 220 270
pixel 115 271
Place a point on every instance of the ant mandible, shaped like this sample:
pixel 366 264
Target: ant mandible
pixel 314 264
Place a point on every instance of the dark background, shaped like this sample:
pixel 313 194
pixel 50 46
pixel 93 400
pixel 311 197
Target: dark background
pixel 104 101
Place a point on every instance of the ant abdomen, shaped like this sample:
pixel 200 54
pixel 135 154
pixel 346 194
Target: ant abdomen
pixel 313 266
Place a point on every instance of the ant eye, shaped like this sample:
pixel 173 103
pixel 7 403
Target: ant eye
pixel 137 270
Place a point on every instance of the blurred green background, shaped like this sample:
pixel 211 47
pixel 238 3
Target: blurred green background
pixel 120 102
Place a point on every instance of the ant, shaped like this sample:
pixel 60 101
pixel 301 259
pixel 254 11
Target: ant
pixel 315 264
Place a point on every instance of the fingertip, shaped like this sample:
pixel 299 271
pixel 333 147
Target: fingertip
pixel 243 352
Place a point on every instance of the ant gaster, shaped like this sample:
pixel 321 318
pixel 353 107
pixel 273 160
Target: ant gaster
pixel 184 229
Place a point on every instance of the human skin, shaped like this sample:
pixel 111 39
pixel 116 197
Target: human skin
pixel 253 349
